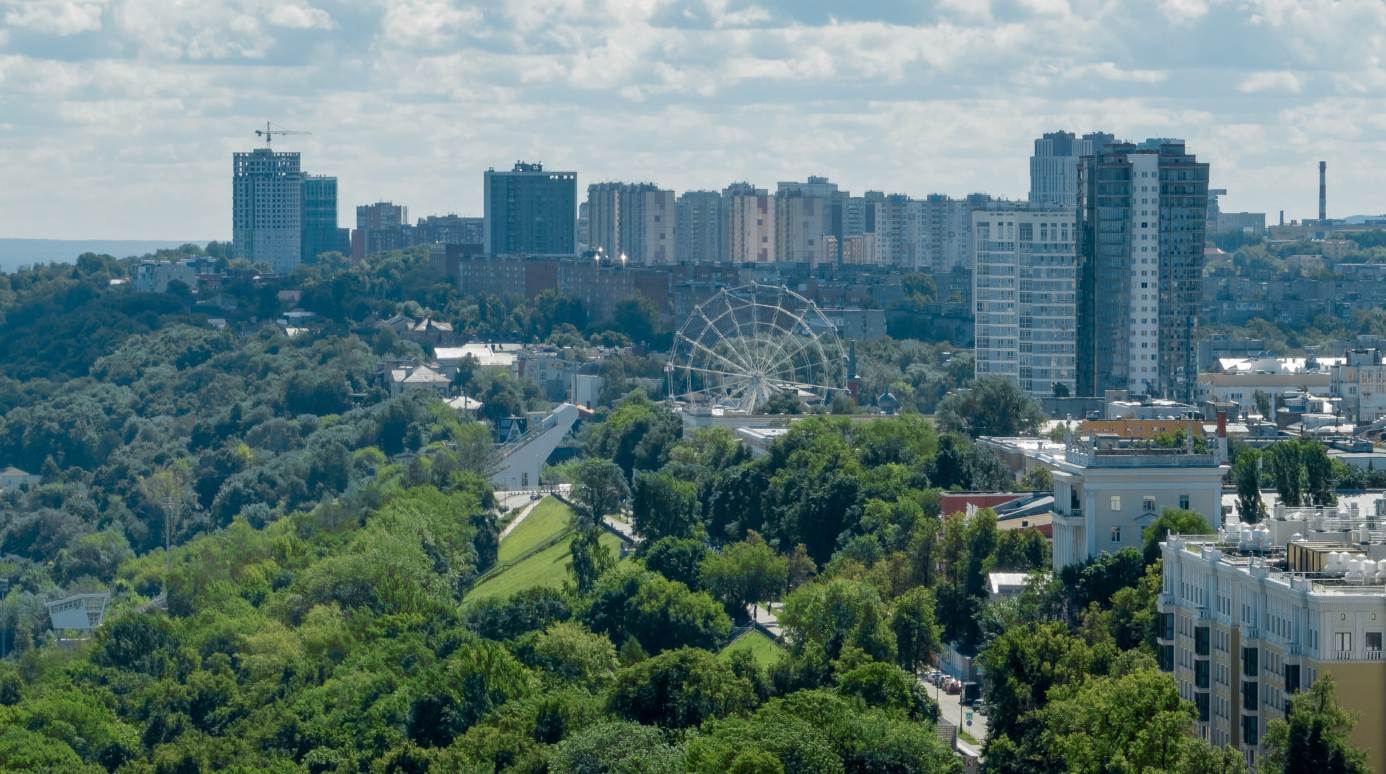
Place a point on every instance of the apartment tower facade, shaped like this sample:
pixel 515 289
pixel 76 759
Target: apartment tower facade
pixel 1141 220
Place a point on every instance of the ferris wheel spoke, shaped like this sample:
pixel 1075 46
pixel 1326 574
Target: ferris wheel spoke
pixel 713 353
pixel 702 370
pixel 712 325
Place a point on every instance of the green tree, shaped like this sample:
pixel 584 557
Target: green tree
pixel 616 746
pixel 599 489
pixel 744 573
pixel 1132 722
pixel 632 602
pixel 990 405
pixel 915 627
pixel 1246 476
pixel 677 559
pixel 886 686
pixel 575 656
pixel 1172 520
pixel 1315 736
pixel 588 559
pixel 1287 470
pixel 838 613
pixel 664 506
pixel 637 435
pixel 460 691
pixel 635 317
pixel 1022 665
pixel 679 689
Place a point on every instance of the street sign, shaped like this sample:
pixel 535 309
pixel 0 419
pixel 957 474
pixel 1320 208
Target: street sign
pixel 969 717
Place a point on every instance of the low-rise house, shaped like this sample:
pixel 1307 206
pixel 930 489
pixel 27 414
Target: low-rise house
pixel 14 478
pixel 406 378
pixel 435 333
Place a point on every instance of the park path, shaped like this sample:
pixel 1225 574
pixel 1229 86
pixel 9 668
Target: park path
pixel 519 517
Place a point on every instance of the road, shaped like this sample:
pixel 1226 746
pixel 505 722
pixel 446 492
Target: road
pixel 951 711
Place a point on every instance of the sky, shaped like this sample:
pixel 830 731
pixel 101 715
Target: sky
pixel 118 118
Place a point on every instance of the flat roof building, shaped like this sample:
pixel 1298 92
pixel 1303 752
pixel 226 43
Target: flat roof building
pixel 1253 615
pixel 530 210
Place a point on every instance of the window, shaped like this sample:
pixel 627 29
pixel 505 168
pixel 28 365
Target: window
pixel 1116 534
pixel 1148 503
pixel 1343 641
pixel 1374 641
pixel 1184 502
pixel 1116 502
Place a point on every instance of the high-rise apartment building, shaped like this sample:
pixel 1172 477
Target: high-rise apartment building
pixel 804 214
pixel 748 224
pixel 698 227
pixel 888 218
pixel 1141 217
pixel 1024 286
pixel 530 210
pixel 380 227
pixel 449 230
pixel 1054 167
pixel 267 208
pixel 320 232
pixel 1254 615
pixel 941 228
pixel 634 220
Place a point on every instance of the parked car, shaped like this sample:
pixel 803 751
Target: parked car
pixel 954 688
pixel 971 693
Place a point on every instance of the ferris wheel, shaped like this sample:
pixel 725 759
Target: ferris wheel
pixel 745 345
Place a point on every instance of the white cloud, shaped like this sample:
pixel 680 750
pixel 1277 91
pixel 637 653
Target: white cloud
pixel 943 96
pixel 300 17
pixel 1271 81
pixel 1109 71
pixel 54 17
pixel 428 23
pixel 1184 11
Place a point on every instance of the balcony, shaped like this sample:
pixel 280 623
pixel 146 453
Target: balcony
pixel 1344 655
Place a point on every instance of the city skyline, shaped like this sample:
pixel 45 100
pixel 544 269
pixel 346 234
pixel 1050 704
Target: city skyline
pixel 127 115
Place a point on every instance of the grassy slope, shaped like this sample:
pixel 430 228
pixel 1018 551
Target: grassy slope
pixel 765 650
pixel 548 518
pixel 546 568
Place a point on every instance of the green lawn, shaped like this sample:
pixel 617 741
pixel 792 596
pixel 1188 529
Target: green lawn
pixel 548 518
pixel 765 650
pixel 546 568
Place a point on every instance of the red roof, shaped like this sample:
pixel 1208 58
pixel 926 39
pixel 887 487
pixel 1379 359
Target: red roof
pixel 957 502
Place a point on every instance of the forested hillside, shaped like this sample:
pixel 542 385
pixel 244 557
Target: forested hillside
pixel 322 608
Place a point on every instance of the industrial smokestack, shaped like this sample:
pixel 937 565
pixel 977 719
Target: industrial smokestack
pixel 1323 191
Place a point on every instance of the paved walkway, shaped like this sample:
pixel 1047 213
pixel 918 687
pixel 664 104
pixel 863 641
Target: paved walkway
pixel 765 616
pixel 519 517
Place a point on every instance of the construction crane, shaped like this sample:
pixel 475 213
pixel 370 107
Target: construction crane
pixel 269 132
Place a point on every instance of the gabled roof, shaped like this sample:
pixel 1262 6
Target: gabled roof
pixel 424 375
pixel 11 471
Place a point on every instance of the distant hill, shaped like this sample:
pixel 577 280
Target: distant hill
pixel 26 252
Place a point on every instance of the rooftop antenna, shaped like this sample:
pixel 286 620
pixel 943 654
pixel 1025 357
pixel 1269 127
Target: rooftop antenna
pixel 269 132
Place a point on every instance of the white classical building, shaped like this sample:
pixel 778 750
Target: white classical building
pixel 1109 488
pixel 1253 615
pixel 1360 381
